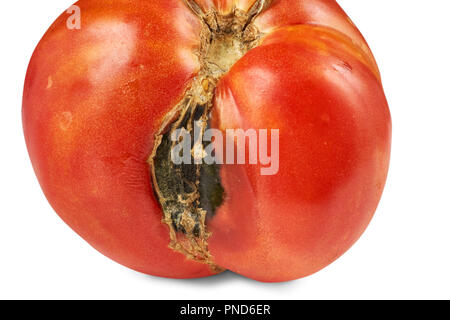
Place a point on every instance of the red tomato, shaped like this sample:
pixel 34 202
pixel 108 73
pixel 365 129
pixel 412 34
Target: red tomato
pixel 99 101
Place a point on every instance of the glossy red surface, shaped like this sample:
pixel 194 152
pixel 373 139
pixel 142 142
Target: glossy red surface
pixel 335 136
pixel 94 98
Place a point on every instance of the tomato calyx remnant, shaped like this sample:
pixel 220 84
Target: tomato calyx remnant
pixel 189 194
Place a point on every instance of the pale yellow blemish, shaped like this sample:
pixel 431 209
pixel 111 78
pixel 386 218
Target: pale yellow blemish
pixel 65 120
pixel 49 82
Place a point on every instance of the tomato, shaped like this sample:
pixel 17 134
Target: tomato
pixel 102 105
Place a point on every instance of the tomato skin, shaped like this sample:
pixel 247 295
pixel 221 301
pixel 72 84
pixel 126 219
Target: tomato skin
pixel 94 99
pixel 324 13
pixel 335 134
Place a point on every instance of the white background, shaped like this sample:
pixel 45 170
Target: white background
pixel 404 253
